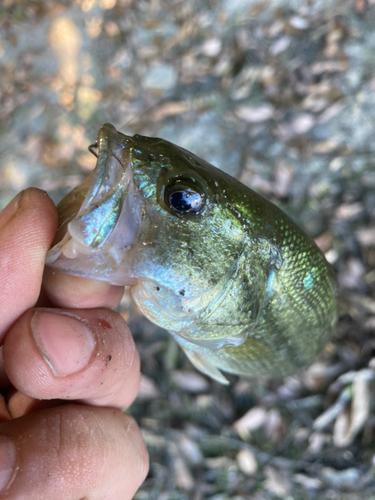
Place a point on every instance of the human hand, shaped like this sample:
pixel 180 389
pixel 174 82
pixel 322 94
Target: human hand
pixel 72 366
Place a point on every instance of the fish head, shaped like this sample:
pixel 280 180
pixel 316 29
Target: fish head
pixel 155 217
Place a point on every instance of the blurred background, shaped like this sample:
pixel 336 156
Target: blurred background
pixel 280 94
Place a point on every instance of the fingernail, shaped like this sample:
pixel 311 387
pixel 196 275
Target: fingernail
pixel 10 210
pixel 8 456
pixel 64 340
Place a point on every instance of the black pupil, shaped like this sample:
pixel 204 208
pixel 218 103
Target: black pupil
pixel 186 200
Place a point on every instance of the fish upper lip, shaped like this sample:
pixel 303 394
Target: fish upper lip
pixel 108 148
pixel 101 209
pixel 108 220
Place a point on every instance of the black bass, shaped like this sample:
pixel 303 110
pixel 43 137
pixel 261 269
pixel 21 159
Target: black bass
pixel 239 286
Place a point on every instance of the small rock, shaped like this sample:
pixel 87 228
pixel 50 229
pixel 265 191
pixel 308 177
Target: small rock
pixel 352 275
pixel 254 114
pixel 347 478
pixel 211 47
pixel 161 77
pixel 252 420
pixel 183 477
pixel 190 381
pixel 219 463
pixel 274 425
pixel 237 7
pixel 303 123
pixel 191 450
pixel 298 22
pixel 309 483
pixel 280 45
pixel 148 389
pixel 247 462
pixel 275 483
pixel 317 441
pixel 352 420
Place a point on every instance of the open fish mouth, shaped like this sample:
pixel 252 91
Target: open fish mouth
pixel 106 222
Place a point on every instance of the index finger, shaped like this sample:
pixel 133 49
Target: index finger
pixel 72 291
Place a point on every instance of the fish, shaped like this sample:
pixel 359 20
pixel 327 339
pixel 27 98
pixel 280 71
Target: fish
pixel 240 287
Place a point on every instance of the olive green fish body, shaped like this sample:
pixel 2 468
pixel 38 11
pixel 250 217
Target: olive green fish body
pixel 240 287
pixel 296 302
pixel 284 295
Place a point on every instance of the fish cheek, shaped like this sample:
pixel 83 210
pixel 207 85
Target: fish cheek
pixel 233 306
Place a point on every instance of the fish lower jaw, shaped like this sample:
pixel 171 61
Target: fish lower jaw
pixel 72 248
pixel 72 257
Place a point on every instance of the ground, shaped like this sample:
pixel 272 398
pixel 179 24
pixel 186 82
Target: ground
pixel 280 94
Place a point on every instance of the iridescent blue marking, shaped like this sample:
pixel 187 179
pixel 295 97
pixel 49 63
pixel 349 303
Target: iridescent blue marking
pixel 308 280
pixel 98 224
pixel 269 282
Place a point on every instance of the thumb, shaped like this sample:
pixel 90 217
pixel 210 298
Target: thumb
pixel 27 228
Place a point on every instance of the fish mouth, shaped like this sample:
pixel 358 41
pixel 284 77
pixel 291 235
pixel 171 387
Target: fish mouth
pixel 102 216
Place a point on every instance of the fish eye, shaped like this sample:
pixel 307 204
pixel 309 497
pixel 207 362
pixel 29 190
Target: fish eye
pixel 184 199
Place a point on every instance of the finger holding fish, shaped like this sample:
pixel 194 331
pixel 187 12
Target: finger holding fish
pixel 65 290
